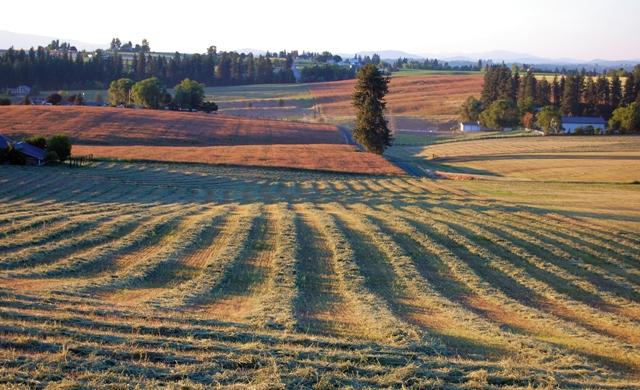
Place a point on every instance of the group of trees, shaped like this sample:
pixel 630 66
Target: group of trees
pixel 509 99
pixel 325 72
pixel 60 67
pixel 151 93
pixel 433 64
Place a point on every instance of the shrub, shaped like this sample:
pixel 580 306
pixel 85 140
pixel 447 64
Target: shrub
pixel 119 92
pixel 5 102
pixel 548 120
pixel 626 119
pixel 209 107
pixel 61 145
pixel 470 110
pixel 148 93
pixel 16 158
pixel 4 154
pixel 38 141
pixel 51 156
pixel 54 98
pixel 528 119
pixel 189 94
pixel 500 114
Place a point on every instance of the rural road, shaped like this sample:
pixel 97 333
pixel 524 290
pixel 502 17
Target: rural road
pixel 406 166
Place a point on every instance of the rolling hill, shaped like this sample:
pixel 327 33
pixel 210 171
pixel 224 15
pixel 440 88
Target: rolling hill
pixel 129 134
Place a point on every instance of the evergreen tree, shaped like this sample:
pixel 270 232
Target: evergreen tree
pixel 602 88
pixel 371 129
pixel 616 91
pixel 571 97
pixel 590 96
pixel 141 66
pixel 555 91
pixel 543 94
pixel 630 93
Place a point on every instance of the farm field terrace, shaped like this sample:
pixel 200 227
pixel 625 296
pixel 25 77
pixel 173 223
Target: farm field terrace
pixel 605 159
pixel 149 274
pixel 156 135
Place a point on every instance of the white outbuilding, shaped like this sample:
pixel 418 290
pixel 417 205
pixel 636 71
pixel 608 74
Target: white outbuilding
pixel 470 126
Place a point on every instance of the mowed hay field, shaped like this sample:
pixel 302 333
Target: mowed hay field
pixel 128 134
pixel 121 275
pixel 562 159
pixel 433 98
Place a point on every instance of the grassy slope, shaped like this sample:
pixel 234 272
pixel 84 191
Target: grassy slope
pixel 562 159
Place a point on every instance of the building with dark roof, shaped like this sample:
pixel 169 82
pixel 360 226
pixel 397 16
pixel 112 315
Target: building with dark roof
pixel 32 154
pixel 571 123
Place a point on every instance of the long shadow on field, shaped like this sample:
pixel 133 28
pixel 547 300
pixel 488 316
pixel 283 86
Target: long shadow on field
pixel 381 279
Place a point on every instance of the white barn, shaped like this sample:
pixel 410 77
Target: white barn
pixel 571 123
pixel 470 126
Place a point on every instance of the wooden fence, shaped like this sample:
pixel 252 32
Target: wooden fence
pixel 78 161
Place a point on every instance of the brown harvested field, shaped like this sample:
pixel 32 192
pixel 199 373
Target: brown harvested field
pixel 326 157
pixel 433 97
pixel 117 126
pixel 128 134
pixel 561 159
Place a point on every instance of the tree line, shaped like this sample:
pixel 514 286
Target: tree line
pixel 509 99
pixel 434 64
pixel 59 66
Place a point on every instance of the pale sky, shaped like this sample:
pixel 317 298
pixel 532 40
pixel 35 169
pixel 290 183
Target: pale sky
pixel 585 29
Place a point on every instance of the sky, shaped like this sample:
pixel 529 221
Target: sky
pixel 586 29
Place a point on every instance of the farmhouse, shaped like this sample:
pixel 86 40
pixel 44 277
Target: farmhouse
pixel 571 123
pixel 33 155
pixel 470 126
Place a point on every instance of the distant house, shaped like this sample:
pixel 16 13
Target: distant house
pixel 32 154
pixel 470 126
pixel 21 91
pixel 571 123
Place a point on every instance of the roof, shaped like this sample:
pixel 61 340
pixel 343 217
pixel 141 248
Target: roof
pixel 5 142
pixel 29 150
pixel 584 120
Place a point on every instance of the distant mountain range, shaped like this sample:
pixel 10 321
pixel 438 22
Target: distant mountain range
pixel 25 41
pixel 508 57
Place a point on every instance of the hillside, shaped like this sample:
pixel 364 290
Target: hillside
pixel 559 159
pixel 430 98
pixel 118 126
pixel 128 134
